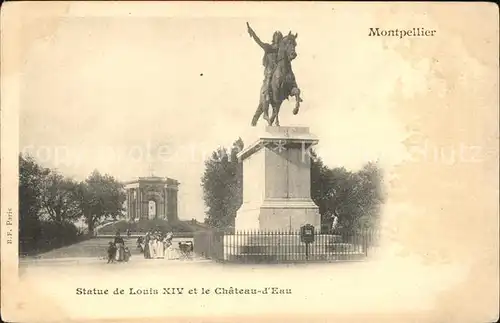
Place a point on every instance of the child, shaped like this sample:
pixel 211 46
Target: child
pixel 127 254
pixel 111 252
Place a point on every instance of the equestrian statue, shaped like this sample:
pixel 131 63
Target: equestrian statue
pixel 279 81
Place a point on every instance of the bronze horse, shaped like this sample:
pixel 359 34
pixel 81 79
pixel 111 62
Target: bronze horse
pixel 283 84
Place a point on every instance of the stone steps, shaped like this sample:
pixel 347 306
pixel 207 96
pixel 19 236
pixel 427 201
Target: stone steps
pixel 278 249
pixel 269 247
pixel 293 257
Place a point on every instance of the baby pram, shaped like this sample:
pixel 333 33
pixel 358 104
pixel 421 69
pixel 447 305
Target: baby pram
pixel 186 249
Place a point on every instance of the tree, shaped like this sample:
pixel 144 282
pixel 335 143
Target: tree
pixel 354 197
pixel 370 195
pixel 99 197
pixel 327 187
pixel 31 177
pixel 49 203
pixel 58 199
pixel 46 208
pixel 222 184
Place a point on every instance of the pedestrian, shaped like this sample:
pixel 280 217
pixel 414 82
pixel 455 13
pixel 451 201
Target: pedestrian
pixel 111 252
pixel 126 254
pixel 335 221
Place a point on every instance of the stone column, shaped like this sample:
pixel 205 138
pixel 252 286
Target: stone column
pixel 139 203
pixel 144 204
pixel 133 204
pixel 133 212
pixel 129 205
pixel 172 203
pixel 165 203
pixel 175 214
pixel 277 181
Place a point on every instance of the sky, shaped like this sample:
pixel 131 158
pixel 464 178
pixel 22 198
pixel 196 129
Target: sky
pixel 134 95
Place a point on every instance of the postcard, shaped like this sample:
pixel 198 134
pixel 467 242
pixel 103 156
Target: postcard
pixel 249 161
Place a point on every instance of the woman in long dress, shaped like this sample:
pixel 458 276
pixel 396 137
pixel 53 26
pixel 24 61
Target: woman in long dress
pixel 170 251
pixel 160 250
pixel 147 250
pixel 166 245
pixel 120 247
pixel 152 246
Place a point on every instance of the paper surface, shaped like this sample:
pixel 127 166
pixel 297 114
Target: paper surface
pixel 78 78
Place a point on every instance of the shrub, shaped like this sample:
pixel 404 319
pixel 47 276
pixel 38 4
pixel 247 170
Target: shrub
pixel 50 235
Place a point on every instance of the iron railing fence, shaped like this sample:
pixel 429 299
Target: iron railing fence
pixel 283 246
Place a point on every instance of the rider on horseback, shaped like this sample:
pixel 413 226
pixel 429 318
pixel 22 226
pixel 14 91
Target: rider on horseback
pixel 269 61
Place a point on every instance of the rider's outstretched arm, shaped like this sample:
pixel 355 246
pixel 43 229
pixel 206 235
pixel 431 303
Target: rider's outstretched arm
pixel 257 39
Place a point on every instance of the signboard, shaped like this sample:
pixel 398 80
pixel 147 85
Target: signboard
pixel 307 233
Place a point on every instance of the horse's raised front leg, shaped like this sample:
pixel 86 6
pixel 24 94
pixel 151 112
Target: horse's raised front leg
pixel 296 92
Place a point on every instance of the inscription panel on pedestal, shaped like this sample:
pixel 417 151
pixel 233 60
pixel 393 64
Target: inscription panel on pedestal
pixel 276 174
pixel 298 173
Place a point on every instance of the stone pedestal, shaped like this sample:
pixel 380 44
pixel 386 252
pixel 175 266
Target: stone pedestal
pixel 277 181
